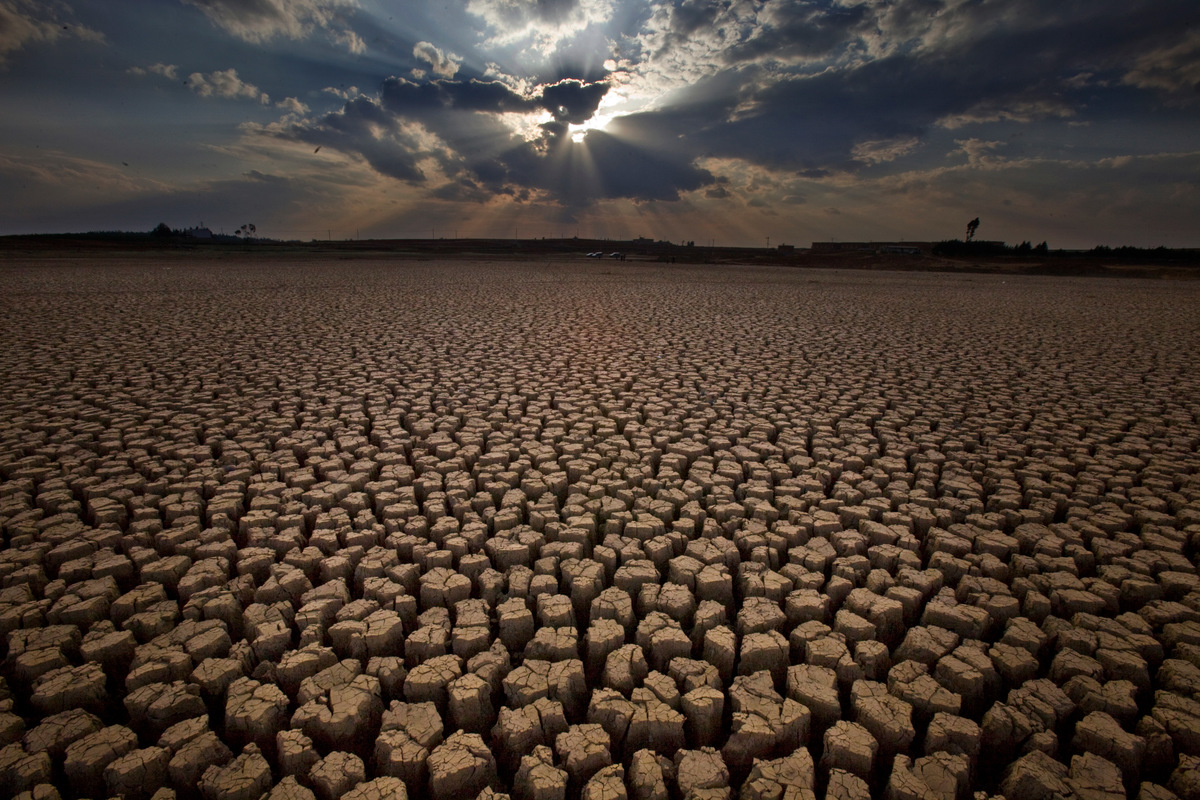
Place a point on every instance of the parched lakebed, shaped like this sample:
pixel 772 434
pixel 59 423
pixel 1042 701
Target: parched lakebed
pixel 454 529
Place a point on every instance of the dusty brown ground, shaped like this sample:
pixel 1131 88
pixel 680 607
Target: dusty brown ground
pixel 856 458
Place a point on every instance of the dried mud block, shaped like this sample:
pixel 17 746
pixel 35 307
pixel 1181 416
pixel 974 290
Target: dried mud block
pixel 443 587
pixel 381 788
pixel 461 766
pixel 1014 664
pixel 380 633
pixel 1185 779
pixel 346 714
pixel 336 774
pixel 703 708
pixel 538 778
pixel 399 755
pixel 940 776
pixel 112 649
pixel 910 681
pixel 663 639
pixel 138 774
pixel 1094 777
pixel 646 777
pixel 470 704
pixel 952 734
pixel 430 681
pixel 614 712
pixel 493 665
pixel 246 777
pixel 71 687
pixel 582 750
pixel 193 756
pixel 759 615
pixel 1152 791
pixel 615 604
pixel 764 724
pixel 1180 716
pixel 515 623
pixel 391 674
pixel 873 660
pixel 1036 776
pixel 1174 675
pixel 602 638
pixel 654 724
pixel 849 747
pixel 157 706
pixel 55 733
pixel 562 681
pixel 1102 735
pixel 764 651
pixel 86 758
pixel 699 771
pixel 792 777
pixel 254 712
pixel 518 731
pixel 12 728
pixel 720 650
pixel 294 753
pixel 888 718
pixel 927 645
pixel 607 784
pixel 1043 702
pixel 691 674
pixel 1003 730
pixel 624 669
pixel 214 675
pixel 297 665
pixel 21 771
pixel 844 785
pixel 553 644
pixel 1160 750
pixel 815 687
pixel 969 673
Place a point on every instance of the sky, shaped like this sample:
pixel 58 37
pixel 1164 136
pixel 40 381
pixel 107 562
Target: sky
pixel 725 122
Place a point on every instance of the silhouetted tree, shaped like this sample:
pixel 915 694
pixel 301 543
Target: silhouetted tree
pixel 972 226
pixel 161 231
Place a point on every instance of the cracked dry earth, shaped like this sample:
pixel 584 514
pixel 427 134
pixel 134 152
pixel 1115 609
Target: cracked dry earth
pixel 368 530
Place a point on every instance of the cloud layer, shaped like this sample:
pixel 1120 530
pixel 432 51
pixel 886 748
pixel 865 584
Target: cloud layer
pixel 796 113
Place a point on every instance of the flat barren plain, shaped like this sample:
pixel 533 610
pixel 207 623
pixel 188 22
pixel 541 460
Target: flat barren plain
pixel 374 529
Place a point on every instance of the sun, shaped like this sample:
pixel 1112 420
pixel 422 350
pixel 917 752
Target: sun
pixel 612 105
pixel 597 122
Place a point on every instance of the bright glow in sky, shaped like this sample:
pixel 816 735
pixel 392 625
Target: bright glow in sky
pixel 1073 122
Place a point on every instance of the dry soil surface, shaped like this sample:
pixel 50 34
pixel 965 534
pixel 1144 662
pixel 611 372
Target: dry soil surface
pixel 323 529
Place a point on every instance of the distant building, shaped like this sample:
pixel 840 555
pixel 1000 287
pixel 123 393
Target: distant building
pixel 198 233
pixel 913 248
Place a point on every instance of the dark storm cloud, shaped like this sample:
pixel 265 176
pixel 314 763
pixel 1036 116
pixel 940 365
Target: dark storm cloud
pixel 800 29
pixel 362 126
pixel 811 88
pixel 937 64
pixel 568 100
pixel 481 154
pixel 573 100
